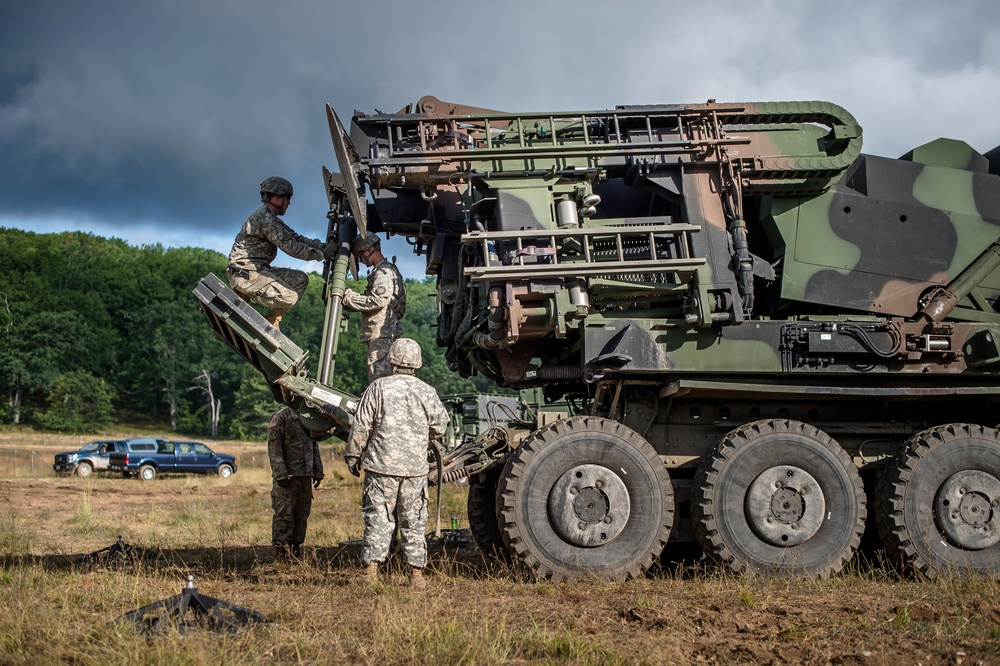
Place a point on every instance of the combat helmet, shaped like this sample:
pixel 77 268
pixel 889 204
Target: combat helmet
pixel 275 186
pixel 361 244
pixel 405 353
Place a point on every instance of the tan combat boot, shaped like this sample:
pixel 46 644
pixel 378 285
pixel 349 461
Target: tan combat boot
pixel 369 574
pixel 417 580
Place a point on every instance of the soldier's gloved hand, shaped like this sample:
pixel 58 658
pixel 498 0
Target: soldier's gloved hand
pixel 316 483
pixel 330 249
pixel 353 466
pixel 284 483
pixel 349 292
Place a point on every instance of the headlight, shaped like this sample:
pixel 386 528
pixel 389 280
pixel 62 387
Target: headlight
pixel 72 457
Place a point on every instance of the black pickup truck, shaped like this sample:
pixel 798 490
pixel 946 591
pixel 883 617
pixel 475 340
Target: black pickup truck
pixel 148 457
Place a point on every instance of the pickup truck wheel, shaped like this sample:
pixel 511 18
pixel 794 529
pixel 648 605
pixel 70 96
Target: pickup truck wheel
pixel 147 472
pixel 84 469
pixel 225 471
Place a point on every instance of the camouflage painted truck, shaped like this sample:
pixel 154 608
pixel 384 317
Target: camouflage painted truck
pixel 767 339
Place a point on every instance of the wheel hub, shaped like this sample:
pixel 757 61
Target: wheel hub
pixel 589 505
pixel 966 506
pixel 785 505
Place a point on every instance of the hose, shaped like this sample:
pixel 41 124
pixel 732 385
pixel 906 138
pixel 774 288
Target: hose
pixel 440 470
pixel 859 334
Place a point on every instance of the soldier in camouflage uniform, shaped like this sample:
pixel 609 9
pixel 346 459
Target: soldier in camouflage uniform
pixel 381 306
pixel 250 272
pixel 296 468
pixel 396 419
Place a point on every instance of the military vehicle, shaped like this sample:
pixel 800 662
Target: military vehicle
pixel 767 339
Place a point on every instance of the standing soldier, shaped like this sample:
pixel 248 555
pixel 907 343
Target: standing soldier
pixel 397 418
pixel 382 306
pixel 250 272
pixel 296 468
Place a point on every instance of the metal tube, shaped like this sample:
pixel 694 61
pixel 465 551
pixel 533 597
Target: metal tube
pixel 566 215
pixel 943 301
pixel 335 287
pixel 578 295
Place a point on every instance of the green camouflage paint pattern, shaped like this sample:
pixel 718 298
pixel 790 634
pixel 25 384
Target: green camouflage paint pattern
pixel 852 236
pixel 741 280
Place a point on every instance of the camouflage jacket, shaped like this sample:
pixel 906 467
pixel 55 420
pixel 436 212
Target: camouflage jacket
pixel 397 418
pixel 291 450
pixel 262 235
pixel 383 304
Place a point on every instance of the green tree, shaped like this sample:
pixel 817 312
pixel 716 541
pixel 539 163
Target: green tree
pixel 252 407
pixel 78 402
pixel 126 316
pixel 38 348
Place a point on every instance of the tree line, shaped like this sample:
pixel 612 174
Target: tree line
pixel 95 333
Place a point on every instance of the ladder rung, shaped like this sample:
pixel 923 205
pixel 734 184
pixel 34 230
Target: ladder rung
pixel 592 269
pixel 603 231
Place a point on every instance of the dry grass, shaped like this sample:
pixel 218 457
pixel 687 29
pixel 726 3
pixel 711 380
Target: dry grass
pixel 56 608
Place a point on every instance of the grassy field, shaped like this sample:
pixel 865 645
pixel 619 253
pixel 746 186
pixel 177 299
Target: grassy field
pixel 55 606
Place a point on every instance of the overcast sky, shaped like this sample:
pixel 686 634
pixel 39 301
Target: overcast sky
pixel 155 121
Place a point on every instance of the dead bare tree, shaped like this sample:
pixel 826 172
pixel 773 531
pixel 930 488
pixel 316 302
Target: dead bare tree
pixel 14 398
pixel 203 383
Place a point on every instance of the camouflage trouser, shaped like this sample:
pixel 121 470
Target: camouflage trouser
pixel 291 510
pixel 274 288
pixel 385 498
pixel 378 358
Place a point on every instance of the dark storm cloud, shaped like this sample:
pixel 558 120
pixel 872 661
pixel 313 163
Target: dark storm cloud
pixel 155 121
pixel 152 112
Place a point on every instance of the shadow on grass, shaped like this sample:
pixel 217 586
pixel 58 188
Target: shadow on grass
pixel 681 561
pixel 246 560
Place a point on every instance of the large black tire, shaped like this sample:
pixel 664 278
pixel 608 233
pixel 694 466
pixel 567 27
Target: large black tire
pixel 586 497
pixel 937 508
pixel 225 471
pixel 779 497
pixel 84 469
pixel 147 472
pixel 482 508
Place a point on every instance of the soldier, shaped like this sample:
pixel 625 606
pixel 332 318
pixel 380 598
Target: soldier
pixel 296 468
pixel 381 306
pixel 250 272
pixel 396 419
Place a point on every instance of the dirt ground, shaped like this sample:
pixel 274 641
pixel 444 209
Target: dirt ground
pixel 475 610
pixel 48 503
